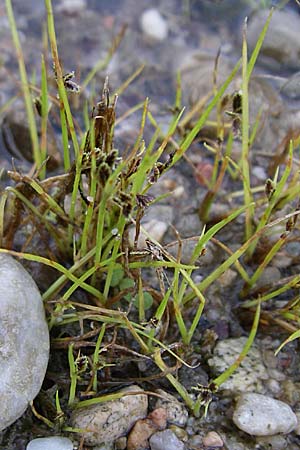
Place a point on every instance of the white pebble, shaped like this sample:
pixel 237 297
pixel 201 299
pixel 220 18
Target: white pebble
pixel 50 443
pixel 154 25
pixel 259 173
pixel 260 415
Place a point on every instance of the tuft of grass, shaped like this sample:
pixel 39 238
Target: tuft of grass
pixel 84 214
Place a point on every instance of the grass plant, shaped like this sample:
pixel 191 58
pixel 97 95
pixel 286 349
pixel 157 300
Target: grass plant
pixel 84 213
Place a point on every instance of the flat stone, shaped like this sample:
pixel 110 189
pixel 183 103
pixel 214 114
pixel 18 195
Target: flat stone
pixel 106 422
pixel 24 340
pixel 249 375
pixel 50 443
pixel 165 440
pixel 260 415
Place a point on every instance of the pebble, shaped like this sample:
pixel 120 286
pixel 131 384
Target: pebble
pixel 176 411
pixel 281 45
pixel 181 433
pixel 106 446
pixel 121 443
pixel 212 439
pixel 260 415
pixel 155 228
pixel 154 25
pixel 269 276
pixel 110 420
pixel 24 340
pixel 291 87
pixel 72 7
pixel 156 222
pixel 260 173
pixel 140 433
pixel 273 442
pixel 227 278
pixel 165 440
pixel 144 428
pixel 50 443
pixel 297 429
pixel 188 246
pixel 189 225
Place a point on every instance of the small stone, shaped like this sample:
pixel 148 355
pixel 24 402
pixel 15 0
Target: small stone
pixel 108 421
pixel 273 442
pixel 212 439
pixel 24 340
pixel 259 172
pixel 121 443
pixel 180 432
pixel 297 429
pixel 196 441
pixel 260 415
pixel 140 433
pixel 274 386
pixel 165 440
pixel 72 7
pixel 154 25
pixel 282 261
pixel 291 87
pixel 189 225
pixel 50 443
pixel 106 446
pixel 155 228
pixel 269 276
pixel 159 418
pixel 144 428
pixel 176 411
pixel 227 278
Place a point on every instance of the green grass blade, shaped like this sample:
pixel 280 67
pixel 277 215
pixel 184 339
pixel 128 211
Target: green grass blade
pixel 25 86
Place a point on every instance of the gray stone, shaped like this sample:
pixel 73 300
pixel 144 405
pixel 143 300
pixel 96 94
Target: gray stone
pixel 50 443
pixel 24 340
pixel 269 276
pixel 249 375
pixel 106 422
pixel 176 412
pixel 165 440
pixel 276 442
pixel 260 415
pixel 281 44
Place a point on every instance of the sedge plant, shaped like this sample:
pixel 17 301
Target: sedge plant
pixel 84 213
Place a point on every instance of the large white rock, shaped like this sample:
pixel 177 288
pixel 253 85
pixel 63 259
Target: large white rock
pixel 24 340
pixel 259 415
